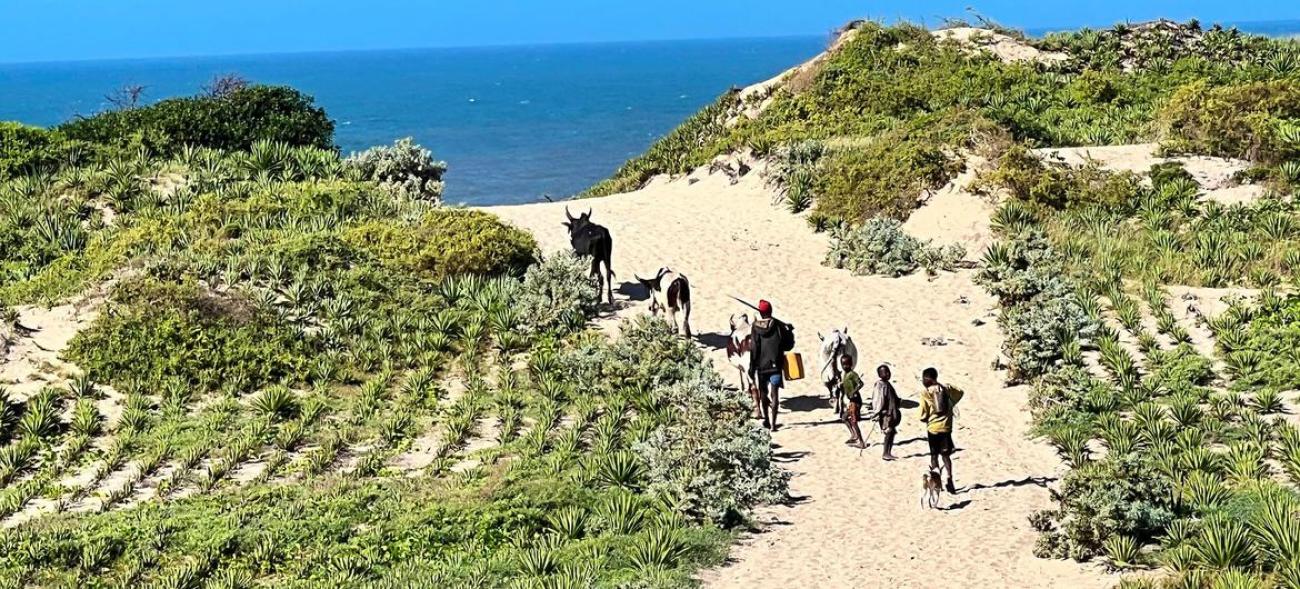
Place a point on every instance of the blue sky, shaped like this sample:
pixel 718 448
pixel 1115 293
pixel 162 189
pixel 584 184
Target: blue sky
pixel 50 30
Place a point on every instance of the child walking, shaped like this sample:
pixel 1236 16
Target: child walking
pixel 851 387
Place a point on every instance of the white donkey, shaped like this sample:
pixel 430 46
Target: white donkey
pixel 738 352
pixel 836 344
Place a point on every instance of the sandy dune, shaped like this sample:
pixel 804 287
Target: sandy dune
pixel 856 520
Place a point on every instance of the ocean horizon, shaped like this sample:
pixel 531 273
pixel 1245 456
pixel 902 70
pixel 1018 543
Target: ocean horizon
pixel 516 123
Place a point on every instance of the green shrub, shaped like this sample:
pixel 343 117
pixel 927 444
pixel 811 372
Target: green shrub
pixel 880 246
pixel 231 121
pixel 1042 314
pixel 1266 353
pixel 559 294
pixel 166 332
pixel 446 242
pixel 1233 121
pixel 1057 186
pixel 1118 495
pixel 27 150
pixel 887 177
pixel 793 170
pixel 404 168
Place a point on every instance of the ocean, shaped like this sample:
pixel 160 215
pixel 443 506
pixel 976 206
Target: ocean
pixel 515 124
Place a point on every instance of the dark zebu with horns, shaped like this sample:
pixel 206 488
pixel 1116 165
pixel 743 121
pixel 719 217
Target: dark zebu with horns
pixel 670 293
pixel 592 240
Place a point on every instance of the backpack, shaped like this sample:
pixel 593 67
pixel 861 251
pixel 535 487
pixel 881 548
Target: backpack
pixel 787 336
pixel 943 402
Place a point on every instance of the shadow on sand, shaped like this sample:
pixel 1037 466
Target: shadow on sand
pixel 713 341
pixel 804 403
pixel 634 291
pixel 1027 481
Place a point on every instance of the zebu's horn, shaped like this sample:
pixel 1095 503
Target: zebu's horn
pixel 567 215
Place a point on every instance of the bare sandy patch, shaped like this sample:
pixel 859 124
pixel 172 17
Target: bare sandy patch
pixel 1004 47
pixel 954 214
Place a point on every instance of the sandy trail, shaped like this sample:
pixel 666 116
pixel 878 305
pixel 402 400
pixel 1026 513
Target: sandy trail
pixel 856 520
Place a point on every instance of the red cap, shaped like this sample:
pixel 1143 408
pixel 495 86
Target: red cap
pixel 765 308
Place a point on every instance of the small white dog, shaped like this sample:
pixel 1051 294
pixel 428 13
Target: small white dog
pixel 931 486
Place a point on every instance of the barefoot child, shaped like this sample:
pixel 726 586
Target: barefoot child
pixel 885 409
pixel 851 385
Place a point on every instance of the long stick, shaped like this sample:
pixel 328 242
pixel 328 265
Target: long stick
pixel 743 302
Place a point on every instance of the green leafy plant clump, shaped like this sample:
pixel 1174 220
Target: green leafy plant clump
pixel 403 168
pixel 25 149
pixel 446 242
pixel 559 294
pixel 1240 121
pixel 166 332
pixel 881 246
pixel 230 121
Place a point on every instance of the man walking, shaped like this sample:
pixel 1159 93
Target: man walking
pixel 937 403
pixel 771 339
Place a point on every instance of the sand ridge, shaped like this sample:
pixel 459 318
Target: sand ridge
pixel 855 519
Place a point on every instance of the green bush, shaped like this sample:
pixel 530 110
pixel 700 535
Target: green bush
pixel 161 332
pixel 1233 121
pixel 1263 353
pixel 559 294
pixel 26 150
pixel 446 242
pixel 712 459
pixel 888 176
pixel 404 168
pixel 1119 495
pixel 1057 186
pixel 880 246
pixel 1041 312
pixel 709 458
pixel 232 121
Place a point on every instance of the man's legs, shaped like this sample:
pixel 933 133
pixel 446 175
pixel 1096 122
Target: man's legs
pixel 774 384
pixel 761 386
pixel 947 462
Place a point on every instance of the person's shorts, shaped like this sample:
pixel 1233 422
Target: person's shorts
pixel 857 399
pixel 940 443
pixel 771 381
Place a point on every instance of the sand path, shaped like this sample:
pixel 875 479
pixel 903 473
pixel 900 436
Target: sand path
pixel 856 520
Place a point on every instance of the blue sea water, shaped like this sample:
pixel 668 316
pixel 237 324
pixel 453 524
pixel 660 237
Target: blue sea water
pixel 513 123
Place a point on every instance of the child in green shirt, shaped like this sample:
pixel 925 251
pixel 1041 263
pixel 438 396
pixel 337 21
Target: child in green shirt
pixel 851 386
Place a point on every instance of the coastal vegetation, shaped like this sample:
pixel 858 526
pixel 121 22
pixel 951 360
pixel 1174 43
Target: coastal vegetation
pixel 897 107
pixel 300 369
